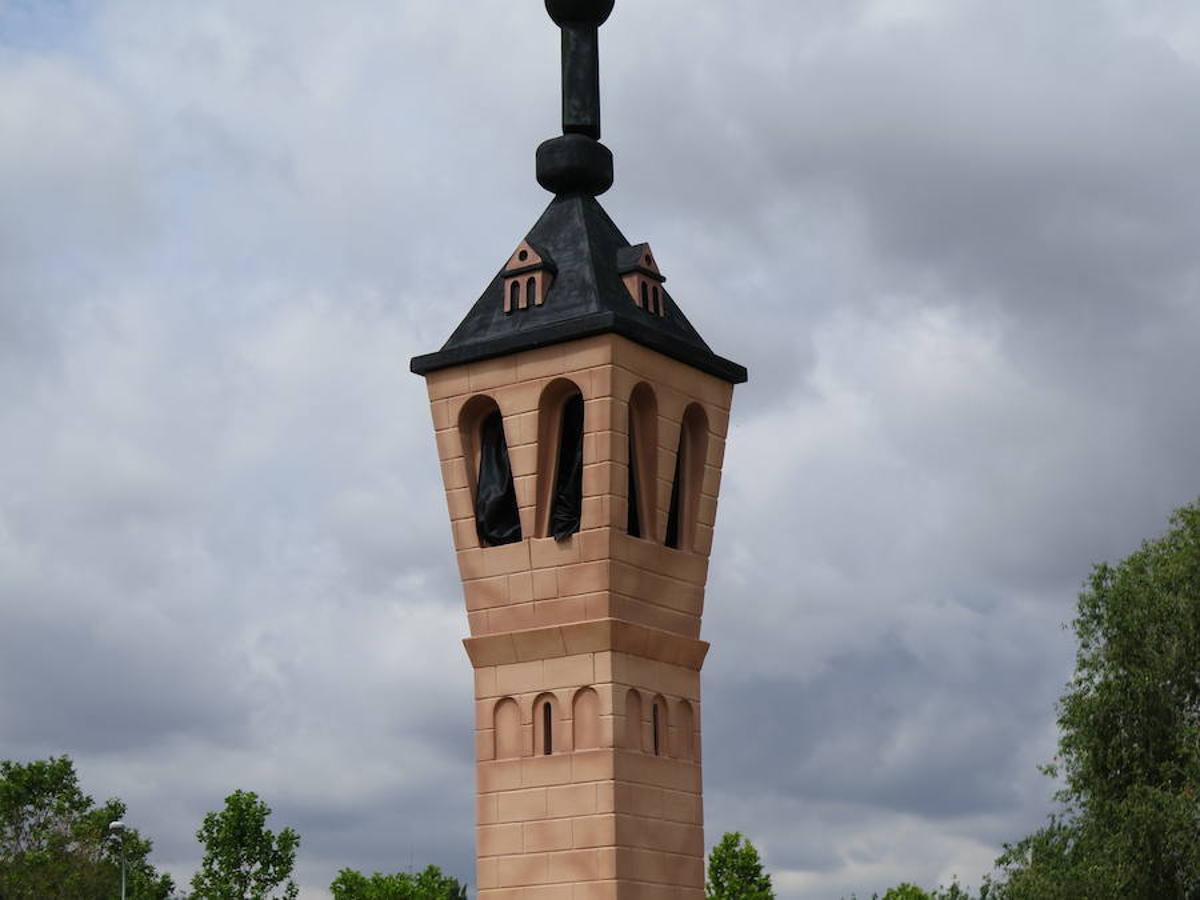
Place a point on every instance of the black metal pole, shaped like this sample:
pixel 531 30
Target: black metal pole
pixel 581 80
pixel 577 162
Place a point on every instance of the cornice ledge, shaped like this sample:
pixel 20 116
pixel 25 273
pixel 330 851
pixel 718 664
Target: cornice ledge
pixel 595 636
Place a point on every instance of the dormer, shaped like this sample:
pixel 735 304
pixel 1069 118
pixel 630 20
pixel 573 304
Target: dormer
pixel 639 270
pixel 528 275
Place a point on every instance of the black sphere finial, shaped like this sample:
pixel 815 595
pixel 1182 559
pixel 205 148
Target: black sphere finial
pixel 593 13
pixel 577 161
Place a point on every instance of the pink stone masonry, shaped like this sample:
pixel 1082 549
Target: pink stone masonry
pixel 586 652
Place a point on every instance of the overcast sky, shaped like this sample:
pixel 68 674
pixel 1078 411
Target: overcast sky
pixel 957 244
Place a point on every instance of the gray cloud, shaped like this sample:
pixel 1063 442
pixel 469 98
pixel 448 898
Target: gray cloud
pixel 953 242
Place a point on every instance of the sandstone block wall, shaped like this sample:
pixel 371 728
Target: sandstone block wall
pixel 599 632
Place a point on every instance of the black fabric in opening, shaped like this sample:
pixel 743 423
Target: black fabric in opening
pixel 657 746
pixel 676 498
pixel 633 523
pixel 497 519
pixel 547 728
pixel 567 508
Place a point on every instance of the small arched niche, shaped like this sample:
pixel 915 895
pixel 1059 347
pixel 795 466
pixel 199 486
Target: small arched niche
pixel 586 719
pixel 545 726
pixel 507 724
pixel 643 453
pixel 683 734
pixel 633 720
pixel 660 724
pixel 689 476
pixel 560 460
pixel 489 473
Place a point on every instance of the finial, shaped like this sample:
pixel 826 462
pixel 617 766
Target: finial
pixel 577 161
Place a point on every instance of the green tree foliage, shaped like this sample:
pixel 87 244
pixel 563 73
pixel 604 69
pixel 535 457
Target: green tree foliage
pixel 1129 751
pixel 906 891
pixel 431 884
pixel 735 871
pixel 54 841
pixel 243 859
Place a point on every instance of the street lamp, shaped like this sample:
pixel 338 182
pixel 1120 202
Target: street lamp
pixel 117 831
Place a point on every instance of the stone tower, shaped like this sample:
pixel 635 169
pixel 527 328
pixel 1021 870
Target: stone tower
pixel 581 424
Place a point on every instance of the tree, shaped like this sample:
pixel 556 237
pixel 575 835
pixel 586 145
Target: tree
pixel 1129 750
pixel 243 859
pixel 906 891
pixel 54 841
pixel 735 871
pixel 431 884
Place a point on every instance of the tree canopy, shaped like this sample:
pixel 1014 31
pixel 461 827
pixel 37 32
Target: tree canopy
pixel 430 884
pixel 907 891
pixel 243 859
pixel 1129 750
pixel 735 871
pixel 54 840
pixel 1128 822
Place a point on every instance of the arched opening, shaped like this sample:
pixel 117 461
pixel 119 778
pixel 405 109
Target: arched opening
pixel 659 723
pixel 586 719
pixel 633 720
pixel 684 732
pixel 514 295
pixel 689 475
pixel 531 291
pixel 497 517
pixel 643 451
pixel 645 297
pixel 560 460
pixel 545 714
pixel 507 729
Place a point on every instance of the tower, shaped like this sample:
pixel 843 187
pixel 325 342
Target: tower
pixel 581 424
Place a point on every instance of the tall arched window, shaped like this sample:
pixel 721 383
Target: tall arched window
pixel 689 475
pixel 497 517
pixel 633 720
pixel 531 292
pixel 514 296
pixel 507 729
pixel 560 460
pixel 645 298
pixel 643 451
pixel 585 715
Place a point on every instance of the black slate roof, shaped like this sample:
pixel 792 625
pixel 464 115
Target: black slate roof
pixel 587 298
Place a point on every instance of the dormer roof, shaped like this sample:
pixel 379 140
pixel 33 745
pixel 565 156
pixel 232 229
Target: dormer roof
pixel 639 258
pixel 587 298
pixel 528 257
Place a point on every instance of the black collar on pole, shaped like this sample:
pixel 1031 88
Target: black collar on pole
pixel 577 162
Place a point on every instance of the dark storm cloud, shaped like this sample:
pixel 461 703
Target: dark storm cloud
pixel 871 757
pixel 954 242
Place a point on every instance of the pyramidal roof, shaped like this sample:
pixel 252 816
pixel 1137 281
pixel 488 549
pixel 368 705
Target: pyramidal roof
pixel 577 241
pixel 587 297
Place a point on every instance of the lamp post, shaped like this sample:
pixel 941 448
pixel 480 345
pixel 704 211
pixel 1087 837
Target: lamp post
pixel 117 831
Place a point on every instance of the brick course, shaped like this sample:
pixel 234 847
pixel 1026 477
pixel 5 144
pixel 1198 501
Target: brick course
pixel 599 610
